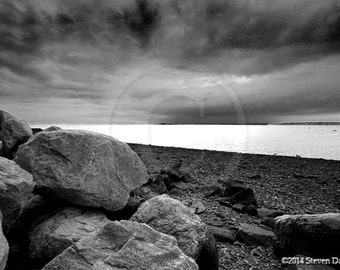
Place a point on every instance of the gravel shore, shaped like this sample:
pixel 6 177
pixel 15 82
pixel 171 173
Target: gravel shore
pixel 293 185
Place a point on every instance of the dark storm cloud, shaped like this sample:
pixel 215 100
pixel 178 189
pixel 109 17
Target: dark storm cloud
pixel 238 36
pixel 266 34
pixel 296 104
pixel 25 28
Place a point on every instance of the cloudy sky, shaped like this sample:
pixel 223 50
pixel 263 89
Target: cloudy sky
pixel 172 61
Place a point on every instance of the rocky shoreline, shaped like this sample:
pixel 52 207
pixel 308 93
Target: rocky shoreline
pixel 288 184
pixel 83 200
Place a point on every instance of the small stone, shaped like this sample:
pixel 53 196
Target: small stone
pixel 176 192
pixel 268 221
pixel 233 187
pixel 208 258
pixel 245 197
pixel 198 206
pixel 298 175
pixel 266 227
pixel 180 185
pixel 265 212
pixel 251 210
pixel 254 236
pixel 255 176
pixel 222 234
pixel 257 252
pixel 240 208
pixel 215 223
pixel 210 190
pixel 225 202
pixel 188 179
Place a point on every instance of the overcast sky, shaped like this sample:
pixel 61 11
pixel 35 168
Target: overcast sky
pixel 172 61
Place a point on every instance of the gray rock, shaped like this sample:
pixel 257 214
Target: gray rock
pixel 52 128
pixel 245 197
pixel 52 235
pixel 233 187
pixel 16 187
pixel 240 208
pixel 215 222
pixel 3 247
pixel 13 132
pixel 187 178
pixel 223 234
pixel 197 206
pixel 84 168
pixel 124 245
pixel 180 185
pixel 268 221
pixel 208 258
pixel 265 212
pixel 251 210
pixel 35 207
pixel 210 190
pixel 171 217
pixel 314 235
pixel 254 236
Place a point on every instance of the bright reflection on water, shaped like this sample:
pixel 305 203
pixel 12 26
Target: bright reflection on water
pixel 306 141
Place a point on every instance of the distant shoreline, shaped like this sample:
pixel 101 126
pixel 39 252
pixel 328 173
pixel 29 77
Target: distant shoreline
pixel 311 123
pixel 240 154
pixel 204 124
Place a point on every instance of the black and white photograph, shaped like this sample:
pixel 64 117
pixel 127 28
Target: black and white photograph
pixel 169 134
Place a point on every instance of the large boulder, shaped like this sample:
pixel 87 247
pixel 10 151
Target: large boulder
pixel 16 187
pixel 3 247
pixel 52 235
pixel 124 245
pixel 84 168
pixel 13 132
pixel 171 217
pixel 314 235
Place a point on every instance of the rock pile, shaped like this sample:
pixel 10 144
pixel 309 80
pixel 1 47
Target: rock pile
pixel 56 205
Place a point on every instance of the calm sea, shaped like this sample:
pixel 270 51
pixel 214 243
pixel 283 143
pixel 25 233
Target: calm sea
pixel 314 141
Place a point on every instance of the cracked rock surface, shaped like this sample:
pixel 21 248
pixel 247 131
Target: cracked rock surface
pixel 16 187
pixel 124 245
pixel 84 168
pixel 52 235
pixel 172 217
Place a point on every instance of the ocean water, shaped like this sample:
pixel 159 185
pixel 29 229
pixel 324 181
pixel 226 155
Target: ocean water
pixel 313 141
